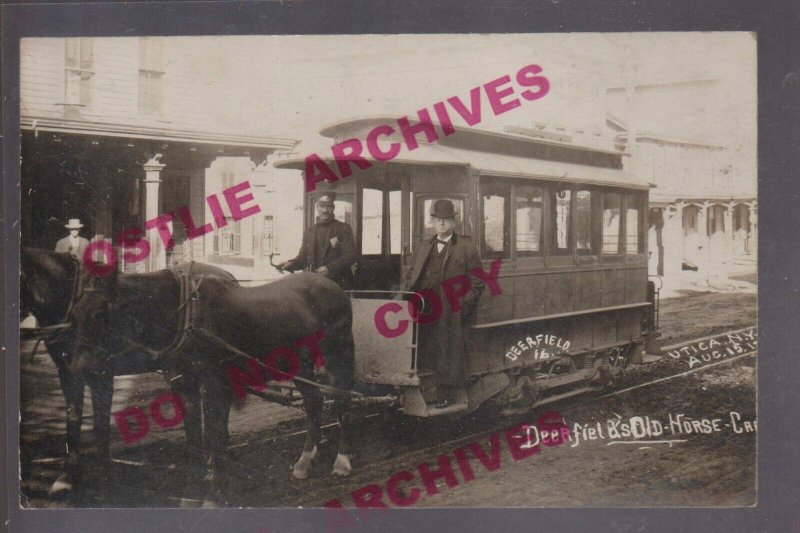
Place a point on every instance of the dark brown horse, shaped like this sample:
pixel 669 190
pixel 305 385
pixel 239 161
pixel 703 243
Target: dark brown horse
pixel 125 310
pixel 50 283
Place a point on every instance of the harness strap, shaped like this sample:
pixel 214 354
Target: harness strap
pixel 238 354
pixel 187 312
pixel 77 288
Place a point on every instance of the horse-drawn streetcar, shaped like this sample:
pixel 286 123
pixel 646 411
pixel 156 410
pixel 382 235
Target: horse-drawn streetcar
pixel 560 232
pixel 569 229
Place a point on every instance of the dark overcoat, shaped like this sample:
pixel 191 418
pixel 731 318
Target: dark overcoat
pixel 338 252
pixel 444 341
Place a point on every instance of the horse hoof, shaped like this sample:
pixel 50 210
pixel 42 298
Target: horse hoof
pixel 300 472
pixel 341 467
pixel 303 465
pixel 62 484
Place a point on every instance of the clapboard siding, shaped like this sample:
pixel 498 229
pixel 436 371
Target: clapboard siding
pixel 114 85
pixel 41 76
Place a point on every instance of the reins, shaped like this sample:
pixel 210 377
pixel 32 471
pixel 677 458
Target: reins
pixel 188 331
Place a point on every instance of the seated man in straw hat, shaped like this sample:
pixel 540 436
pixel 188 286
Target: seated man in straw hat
pixel 73 244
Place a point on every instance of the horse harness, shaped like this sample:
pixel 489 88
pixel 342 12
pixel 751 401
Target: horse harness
pixel 49 333
pixel 188 331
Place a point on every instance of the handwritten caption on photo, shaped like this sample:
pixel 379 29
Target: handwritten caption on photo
pixel 717 348
pixel 615 430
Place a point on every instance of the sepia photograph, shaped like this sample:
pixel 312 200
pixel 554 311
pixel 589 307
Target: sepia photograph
pixel 379 271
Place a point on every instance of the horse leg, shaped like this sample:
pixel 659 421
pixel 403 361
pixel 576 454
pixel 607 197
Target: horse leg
pixel 313 403
pixel 102 387
pixel 343 378
pixel 73 388
pixel 341 466
pixel 216 410
pixel 187 387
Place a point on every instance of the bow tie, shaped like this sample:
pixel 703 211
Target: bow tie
pixel 440 241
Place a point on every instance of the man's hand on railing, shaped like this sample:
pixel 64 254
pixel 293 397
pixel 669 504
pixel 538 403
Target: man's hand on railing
pixel 286 265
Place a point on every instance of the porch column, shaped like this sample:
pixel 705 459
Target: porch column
pixel 752 234
pixel 152 181
pixel 729 228
pixel 705 238
pixel 675 242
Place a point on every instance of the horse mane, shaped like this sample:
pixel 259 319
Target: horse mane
pixel 46 259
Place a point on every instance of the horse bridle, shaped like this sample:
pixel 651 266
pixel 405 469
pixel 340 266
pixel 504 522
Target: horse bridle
pixel 187 308
pixel 49 333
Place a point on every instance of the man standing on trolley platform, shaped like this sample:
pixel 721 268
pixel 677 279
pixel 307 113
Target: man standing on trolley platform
pixel 328 247
pixel 445 256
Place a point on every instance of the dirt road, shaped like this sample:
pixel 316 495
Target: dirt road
pixel 716 468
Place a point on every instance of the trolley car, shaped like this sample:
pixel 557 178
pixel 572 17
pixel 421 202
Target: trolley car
pixel 570 228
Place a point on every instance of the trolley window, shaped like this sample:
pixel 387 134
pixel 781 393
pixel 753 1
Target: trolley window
pixel 634 220
pixel 583 222
pixel 612 205
pixel 560 213
pixel 371 222
pixel 529 205
pixel 495 219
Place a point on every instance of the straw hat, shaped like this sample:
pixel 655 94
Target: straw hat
pixel 74 223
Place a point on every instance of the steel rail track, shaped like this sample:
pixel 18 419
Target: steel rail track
pixel 576 401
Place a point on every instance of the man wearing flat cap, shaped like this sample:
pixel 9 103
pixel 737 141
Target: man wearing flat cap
pixel 443 257
pixel 328 247
pixel 73 244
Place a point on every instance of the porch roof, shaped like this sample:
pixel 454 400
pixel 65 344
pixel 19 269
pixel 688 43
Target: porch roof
pixel 162 134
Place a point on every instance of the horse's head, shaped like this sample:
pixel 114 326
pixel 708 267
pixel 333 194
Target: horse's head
pixel 47 282
pixel 117 312
pixel 96 320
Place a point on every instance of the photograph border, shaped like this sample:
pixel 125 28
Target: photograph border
pixel 775 23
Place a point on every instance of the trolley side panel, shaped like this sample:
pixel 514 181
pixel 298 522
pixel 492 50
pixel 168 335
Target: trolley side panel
pixel 381 359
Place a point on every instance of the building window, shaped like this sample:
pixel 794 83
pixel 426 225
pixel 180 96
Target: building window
pixel 583 223
pixel 634 237
pixel 529 209
pixel 612 207
pixel 151 75
pixel 78 66
pixel 228 239
pixel 561 221
pixel 495 219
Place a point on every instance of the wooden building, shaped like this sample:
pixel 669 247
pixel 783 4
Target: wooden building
pixel 113 133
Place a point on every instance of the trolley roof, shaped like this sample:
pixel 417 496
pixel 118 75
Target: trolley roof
pixel 485 152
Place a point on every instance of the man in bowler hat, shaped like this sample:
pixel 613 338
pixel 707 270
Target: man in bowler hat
pixel 73 244
pixel 442 257
pixel 328 247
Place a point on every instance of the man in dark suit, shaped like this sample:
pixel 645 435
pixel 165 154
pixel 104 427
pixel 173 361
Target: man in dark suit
pixel 73 244
pixel 446 258
pixel 328 247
